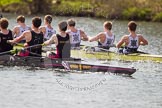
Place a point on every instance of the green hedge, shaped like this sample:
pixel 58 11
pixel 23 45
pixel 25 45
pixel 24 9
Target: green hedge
pixel 137 13
pixel 158 17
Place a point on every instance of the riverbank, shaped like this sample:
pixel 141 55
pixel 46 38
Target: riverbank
pixel 145 10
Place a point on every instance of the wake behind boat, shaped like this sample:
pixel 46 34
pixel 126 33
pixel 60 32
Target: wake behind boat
pixel 70 64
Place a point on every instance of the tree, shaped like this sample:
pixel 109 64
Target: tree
pixel 39 6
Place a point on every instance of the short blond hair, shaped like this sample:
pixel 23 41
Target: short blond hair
pixel 71 22
pixel 108 25
pixel 20 18
pixel 48 18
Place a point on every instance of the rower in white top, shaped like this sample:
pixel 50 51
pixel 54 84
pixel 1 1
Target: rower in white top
pixel 132 41
pixel 105 39
pixel 47 29
pixel 20 28
pixel 76 35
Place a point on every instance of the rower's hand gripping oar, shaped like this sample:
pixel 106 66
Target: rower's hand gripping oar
pixel 14 51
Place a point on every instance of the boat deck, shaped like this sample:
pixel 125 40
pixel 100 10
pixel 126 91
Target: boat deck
pixel 69 64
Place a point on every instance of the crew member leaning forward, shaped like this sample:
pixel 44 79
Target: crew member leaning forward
pixel 62 42
pixel 131 41
pixel 32 37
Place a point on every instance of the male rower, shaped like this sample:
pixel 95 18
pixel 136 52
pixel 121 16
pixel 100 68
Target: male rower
pixel 33 38
pixel 132 41
pixel 5 34
pixel 62 42
pixel 18 30
pixel 47 29
pixel 76 35
pixel 105 39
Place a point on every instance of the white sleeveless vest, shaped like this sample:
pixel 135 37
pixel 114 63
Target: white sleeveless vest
pixel 133 42
pixel 109 40
pixel 75 38
pixel 49 33
pixel 21 29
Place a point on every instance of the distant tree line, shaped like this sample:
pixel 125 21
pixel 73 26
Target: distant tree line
pixel 150 10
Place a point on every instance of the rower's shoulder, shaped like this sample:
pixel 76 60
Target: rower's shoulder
pixel 15 28
pixel 42 27
pixel 140 35
pixel 102 33
pixel 125 36
pixel 27 32
pixel 81 31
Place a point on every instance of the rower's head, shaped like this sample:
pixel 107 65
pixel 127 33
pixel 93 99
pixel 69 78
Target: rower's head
pixel 20 19
pixel 48 19
pixel 71 23
pixel 62 26
pixel 4 23
pixel 36 22
pixel 132 26
pixel 107 25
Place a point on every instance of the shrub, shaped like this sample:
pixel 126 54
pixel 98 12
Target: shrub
pixel 137 14
pixel 158 17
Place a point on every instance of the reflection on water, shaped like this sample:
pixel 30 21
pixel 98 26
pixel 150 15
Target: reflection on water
pixel 22 88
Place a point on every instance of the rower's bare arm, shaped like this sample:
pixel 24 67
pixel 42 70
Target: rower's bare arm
pixel 15 31
pixel 42 29
pixel 143 41
pixel 18 39
pixel 95 38
pixel 52 40
pixel 121 42
pixel 84 37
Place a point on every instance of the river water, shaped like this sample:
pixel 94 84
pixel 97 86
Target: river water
pixel 21 87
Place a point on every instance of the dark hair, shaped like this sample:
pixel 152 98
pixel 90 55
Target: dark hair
pixel 4 23
pixel 108 25
pixel 48 18
pixel 20 18
pixel 71 22
pixel 132 25
pixel 36 21
pixel 1 16
pixel 62 25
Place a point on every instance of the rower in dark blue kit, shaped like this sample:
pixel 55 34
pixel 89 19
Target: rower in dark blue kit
pixel 5 35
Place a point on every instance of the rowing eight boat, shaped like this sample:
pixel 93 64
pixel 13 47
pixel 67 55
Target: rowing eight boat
pixel 71 64
pixel 110 55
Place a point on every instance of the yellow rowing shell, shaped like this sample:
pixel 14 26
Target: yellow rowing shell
pixel 115 56
pixel 109 55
